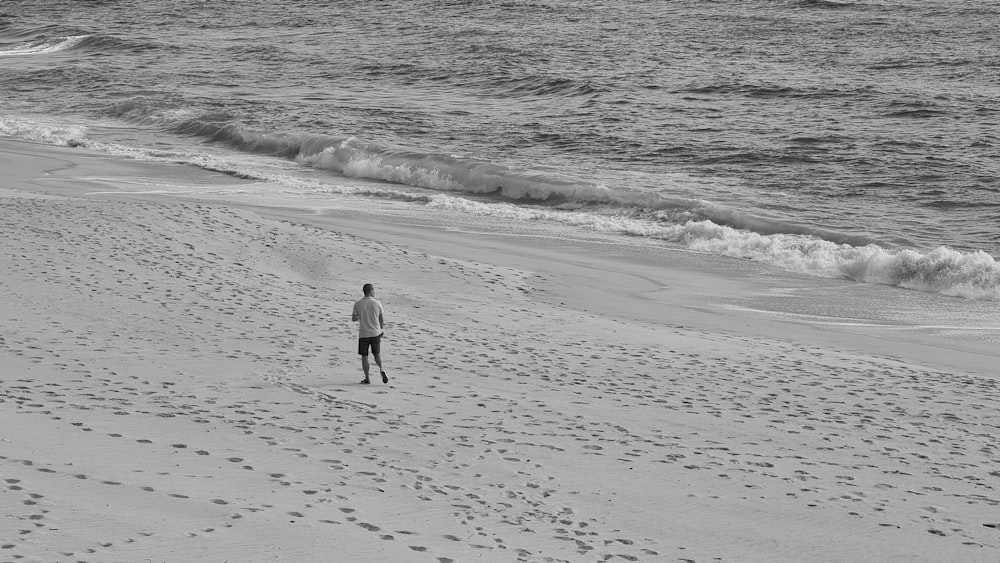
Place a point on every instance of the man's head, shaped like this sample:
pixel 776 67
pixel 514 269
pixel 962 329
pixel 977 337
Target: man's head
pixel 369 289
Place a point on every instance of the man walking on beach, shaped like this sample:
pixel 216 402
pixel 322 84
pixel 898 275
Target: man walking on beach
pixel 368 312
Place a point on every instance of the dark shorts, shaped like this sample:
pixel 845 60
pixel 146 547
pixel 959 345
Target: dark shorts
pixel 373 342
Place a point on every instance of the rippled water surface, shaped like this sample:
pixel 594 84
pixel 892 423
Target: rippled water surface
pixel 846 139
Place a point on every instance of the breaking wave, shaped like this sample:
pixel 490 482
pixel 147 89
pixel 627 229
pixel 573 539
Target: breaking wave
pixel 529 196
pixel 974 275
pixel 42 46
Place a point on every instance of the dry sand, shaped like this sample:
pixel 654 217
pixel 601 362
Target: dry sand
pixel 178 382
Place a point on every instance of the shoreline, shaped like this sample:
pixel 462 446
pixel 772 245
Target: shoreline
pixel 182 385
pixel 723 293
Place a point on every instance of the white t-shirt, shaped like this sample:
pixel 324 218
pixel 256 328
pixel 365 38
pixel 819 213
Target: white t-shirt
pixel 368 311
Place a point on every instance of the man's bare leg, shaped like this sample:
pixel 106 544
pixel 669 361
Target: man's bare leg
pixel 378 360
pixel 366 366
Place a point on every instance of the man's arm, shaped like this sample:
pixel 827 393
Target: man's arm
pixel 354 314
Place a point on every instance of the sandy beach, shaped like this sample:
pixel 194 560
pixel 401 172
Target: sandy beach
pixel 179 382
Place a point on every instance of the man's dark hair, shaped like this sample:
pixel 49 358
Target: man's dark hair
pixel 368 288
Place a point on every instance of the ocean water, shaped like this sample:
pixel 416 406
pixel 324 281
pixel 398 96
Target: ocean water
pixel 851 140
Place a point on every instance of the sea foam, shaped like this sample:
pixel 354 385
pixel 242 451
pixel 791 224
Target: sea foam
pixel 43 131
pixel 974 275
pixel 549 198
pixel 42 46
